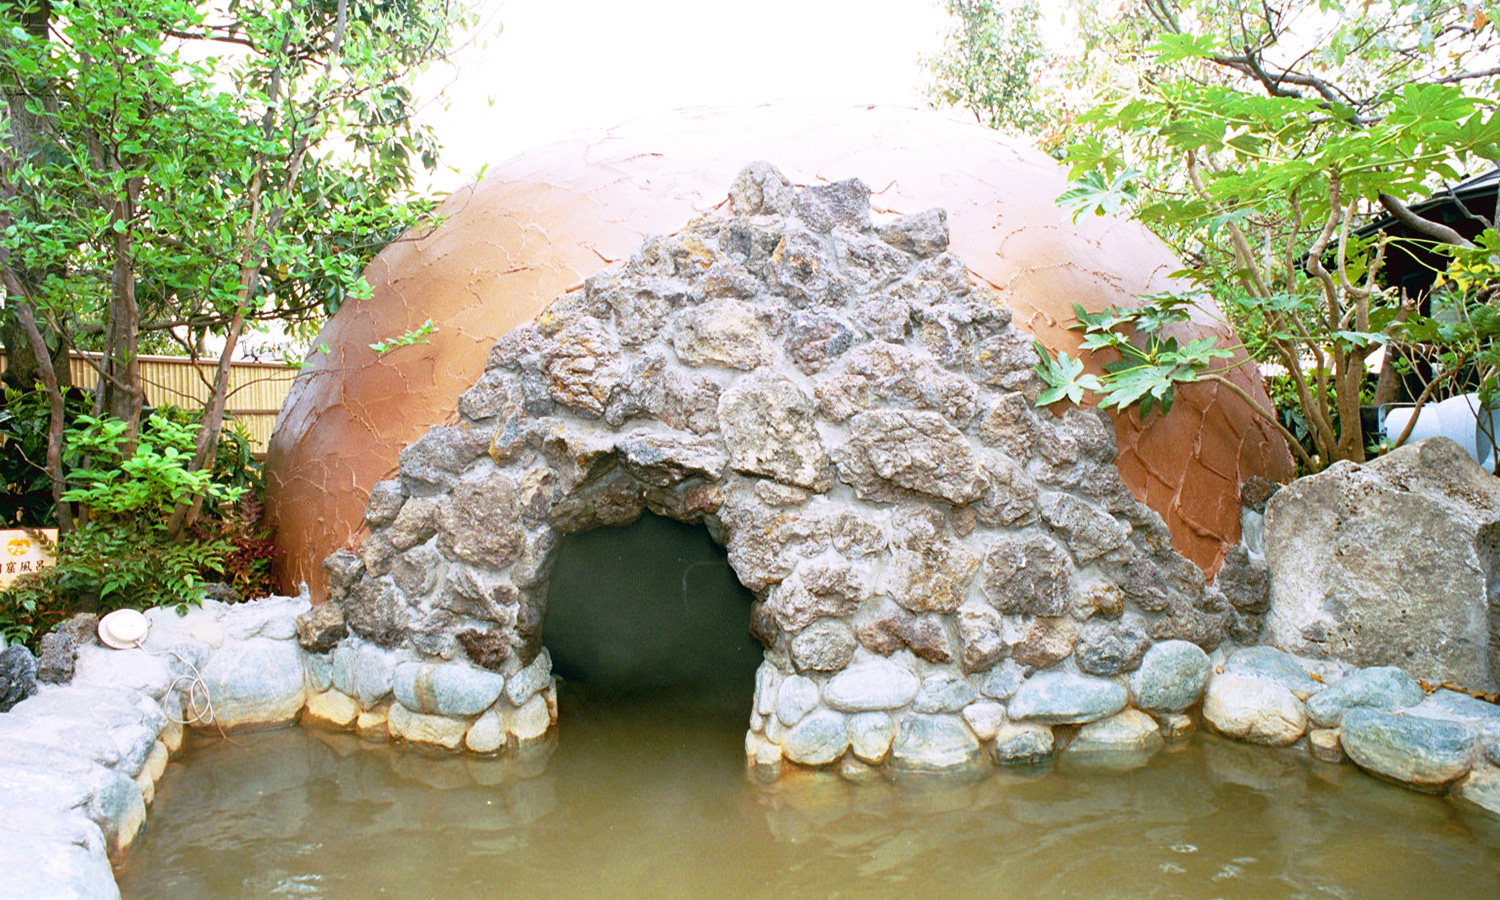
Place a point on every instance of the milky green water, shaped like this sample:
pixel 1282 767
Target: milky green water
pixel 645 800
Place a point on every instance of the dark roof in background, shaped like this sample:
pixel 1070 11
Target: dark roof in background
pixel 1467 207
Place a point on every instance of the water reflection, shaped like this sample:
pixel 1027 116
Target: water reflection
pixel 651 800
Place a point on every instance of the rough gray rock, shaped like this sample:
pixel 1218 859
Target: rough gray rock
pixel 435 459
pixel 59 648
pixel 1030 576
pixel 532 678
pixel 479 523
pixel 1110 648
pixel 414 524
pixel 1089 531
pixel 584 367
pixel 923 234
pixel 1045 641
pixel 825 646
pixel 759 189
pixel 818 588
pixel 321 628
pixel 1344 544
pixel 981 635
pixel 924 636
pixel 59 654
pixel 1245 582
pixel 726 333
pixel 17 676
pixel 767 423
pixel 915 450
pixel 1426 754
pixel 848 412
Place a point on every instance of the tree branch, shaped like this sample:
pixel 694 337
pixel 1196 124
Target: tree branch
pixel 1425 227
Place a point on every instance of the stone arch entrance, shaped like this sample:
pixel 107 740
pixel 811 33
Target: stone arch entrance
pixel 933 559
pixel 650 611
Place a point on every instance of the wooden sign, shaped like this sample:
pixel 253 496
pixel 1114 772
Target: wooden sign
pixel 23 551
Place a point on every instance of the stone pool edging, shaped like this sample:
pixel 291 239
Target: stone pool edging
pixel 79 762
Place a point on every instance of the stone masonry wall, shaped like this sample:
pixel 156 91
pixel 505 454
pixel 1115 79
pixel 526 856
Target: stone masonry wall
pixel 934 560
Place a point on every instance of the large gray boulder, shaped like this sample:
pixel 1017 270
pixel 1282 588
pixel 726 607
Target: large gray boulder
pixel 53 857
pixel 1390 564
pixel 17 675
pixel 1422 753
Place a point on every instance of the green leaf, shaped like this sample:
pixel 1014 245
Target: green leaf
pixel 1171 48
pixel 1064 377
pixel 1097 193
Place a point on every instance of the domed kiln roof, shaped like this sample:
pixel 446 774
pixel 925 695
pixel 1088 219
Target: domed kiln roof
pixel 543 221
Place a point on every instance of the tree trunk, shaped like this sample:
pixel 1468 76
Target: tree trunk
pixel 120 393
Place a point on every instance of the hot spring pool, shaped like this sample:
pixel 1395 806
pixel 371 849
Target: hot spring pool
pixel 646 799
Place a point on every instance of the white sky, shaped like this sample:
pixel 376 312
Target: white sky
pixel 561 66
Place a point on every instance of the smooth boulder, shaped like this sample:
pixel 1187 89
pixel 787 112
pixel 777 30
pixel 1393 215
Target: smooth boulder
pixel 1422 753
pixel 1378 687
pixel 1255 710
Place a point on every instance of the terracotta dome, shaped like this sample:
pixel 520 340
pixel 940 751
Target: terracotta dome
pixel 543 221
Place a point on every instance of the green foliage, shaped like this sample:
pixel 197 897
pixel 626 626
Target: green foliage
pixel 25 489
pixel 122 554
pixel 31 607
pixel 416 335
pixel 1256 138
pixel 1258 162
pixel 246 565
pixel 107 565
pixel 1064 376
pixel 271 137
pixel 1148 365
pixel 989 63
pixel 178 170
pixel 144 485
pixel 1460 334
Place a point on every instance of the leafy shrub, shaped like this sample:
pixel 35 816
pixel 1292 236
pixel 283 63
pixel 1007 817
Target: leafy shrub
pixel 32 606
pixel 246 567
pixel 122 553
pixel 25 492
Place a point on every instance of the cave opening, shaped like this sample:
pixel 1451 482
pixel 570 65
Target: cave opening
pixel 650 614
